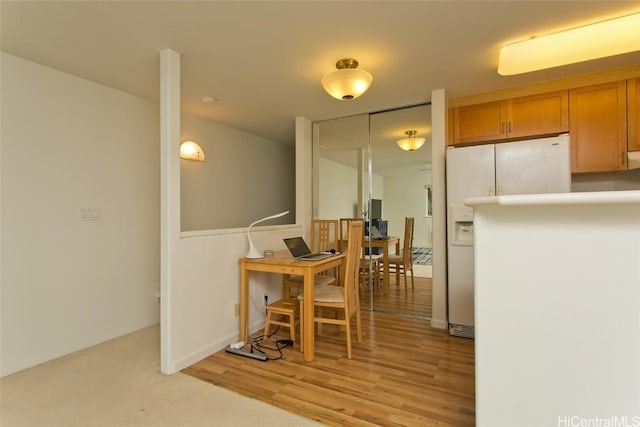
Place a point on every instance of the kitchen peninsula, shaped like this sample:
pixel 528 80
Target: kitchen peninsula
pixel 557 308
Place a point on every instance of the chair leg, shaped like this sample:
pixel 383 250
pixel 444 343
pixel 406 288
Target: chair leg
pixel 321 314
pixel 404 273
pixel 359 326
pixel 413 286
pixel 348 331
pixel 292 326
pixel 375 275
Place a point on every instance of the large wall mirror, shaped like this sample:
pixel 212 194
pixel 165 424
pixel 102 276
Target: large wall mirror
pixel 220 194
pixel 358 165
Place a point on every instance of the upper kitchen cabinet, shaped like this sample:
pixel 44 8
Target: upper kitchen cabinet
pixel 479 123
pixel 598 127
pixel 633 114
pixel 528 116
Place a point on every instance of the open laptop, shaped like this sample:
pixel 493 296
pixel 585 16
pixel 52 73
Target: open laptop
pixel 299 250
pixel 376 234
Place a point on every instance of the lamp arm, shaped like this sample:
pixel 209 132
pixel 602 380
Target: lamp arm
pixel 253 251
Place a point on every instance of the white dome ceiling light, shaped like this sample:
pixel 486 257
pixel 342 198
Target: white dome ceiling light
pixel 347 82
pixel 410 143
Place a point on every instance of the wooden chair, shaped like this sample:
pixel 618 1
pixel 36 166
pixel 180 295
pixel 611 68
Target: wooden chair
pixel 403 262
pixel 344 298
pixel 324 236
pixel 283 313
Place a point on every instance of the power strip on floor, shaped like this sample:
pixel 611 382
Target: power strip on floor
pixel 240 352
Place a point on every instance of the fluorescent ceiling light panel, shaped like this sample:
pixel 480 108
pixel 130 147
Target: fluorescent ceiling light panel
pixel 607 38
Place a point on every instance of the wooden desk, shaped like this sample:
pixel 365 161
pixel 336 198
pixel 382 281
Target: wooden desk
pixel 282 262
pixel 385 244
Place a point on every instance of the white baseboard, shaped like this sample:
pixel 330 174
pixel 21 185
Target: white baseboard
pixel 439 324
pixel 209 349
pixel 423 270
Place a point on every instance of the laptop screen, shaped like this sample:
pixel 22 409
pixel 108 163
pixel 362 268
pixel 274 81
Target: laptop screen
pixel 297 246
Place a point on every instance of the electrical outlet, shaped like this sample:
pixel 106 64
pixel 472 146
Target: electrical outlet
pixel 236 310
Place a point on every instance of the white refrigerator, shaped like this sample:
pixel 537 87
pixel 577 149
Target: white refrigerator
pixel 521 167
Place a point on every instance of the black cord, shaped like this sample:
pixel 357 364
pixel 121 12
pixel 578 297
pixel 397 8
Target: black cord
pixel 280 344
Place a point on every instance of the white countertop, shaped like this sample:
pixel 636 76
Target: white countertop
pixel 582 198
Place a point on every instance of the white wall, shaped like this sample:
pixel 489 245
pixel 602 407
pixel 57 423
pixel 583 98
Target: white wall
pixel 69 144
pixel 200 270
pixel 405 196
pixel 206 288
pixel 338 190
pixel 264 171
pixel 67 284
pixel 377 191
pixel 439 262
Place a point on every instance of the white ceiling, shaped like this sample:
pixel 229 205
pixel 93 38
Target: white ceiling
pixel 264 60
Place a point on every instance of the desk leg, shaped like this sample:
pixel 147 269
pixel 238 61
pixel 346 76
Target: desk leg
pixel 244 303
pixel 308 327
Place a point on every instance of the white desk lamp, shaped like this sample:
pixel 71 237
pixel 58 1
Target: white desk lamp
pixel 253 252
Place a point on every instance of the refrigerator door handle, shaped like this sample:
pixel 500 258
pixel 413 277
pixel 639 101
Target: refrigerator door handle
pixel 492 191
pixel 500 190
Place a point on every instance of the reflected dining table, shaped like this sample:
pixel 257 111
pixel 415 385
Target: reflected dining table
pixel 281 262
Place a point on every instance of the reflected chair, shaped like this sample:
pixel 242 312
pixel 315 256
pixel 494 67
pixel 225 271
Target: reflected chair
pixel 403 262
pixel 345 299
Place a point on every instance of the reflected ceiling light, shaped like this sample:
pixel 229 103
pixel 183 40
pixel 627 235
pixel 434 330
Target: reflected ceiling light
pixel 410 143
pixel 347 82
pixel 599 40
pixel 191 151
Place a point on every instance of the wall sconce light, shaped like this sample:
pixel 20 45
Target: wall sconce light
pixel 191 151
pixel 599 40
pixel 253 252
pixel 410 143
pixel 347 82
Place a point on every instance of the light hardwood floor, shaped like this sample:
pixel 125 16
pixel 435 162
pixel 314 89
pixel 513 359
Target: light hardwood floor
pixel 414 301
pixel 403 373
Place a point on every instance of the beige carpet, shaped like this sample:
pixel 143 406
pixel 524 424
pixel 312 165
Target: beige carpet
pixel 118 383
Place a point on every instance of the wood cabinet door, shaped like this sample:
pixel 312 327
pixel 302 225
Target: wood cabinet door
pixel 482 122
pixel 538 115
pixel 598 127
pixel 633 114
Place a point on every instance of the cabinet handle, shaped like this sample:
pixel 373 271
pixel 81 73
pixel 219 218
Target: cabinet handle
pixel 502 127
pixel 622 157
pixel 509 129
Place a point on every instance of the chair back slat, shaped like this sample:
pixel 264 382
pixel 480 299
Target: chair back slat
pixel 352 266
pixel 324 234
